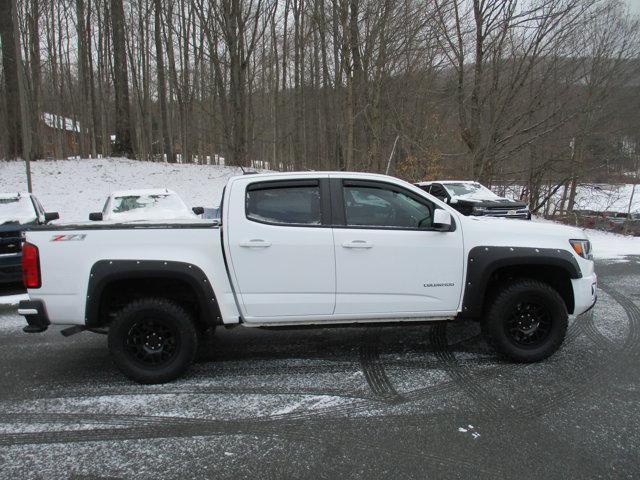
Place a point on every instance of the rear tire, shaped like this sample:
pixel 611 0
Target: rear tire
pixel 153 340
pixel 526 321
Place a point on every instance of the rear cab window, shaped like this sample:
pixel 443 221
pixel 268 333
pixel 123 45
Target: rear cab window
pixel 293 203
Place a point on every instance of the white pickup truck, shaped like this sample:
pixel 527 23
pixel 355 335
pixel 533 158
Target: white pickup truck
pixel 296 249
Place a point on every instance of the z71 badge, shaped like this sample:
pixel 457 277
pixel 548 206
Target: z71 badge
pixel 78 237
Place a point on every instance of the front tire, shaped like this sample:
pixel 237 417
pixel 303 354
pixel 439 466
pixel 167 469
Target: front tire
pixel 526 321
pixel 153 340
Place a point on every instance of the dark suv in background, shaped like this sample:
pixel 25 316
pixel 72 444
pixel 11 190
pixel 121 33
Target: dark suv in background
pixel 18 211
pixel 472 198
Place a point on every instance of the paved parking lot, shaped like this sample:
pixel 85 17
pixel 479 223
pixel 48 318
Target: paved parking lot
pixel 383 402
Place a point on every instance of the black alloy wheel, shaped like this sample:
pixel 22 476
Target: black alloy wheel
pixel 529 324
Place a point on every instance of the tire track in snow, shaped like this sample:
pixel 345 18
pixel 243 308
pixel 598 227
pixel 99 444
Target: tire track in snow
pixel 464 378
pixel 376 376
pixel 460 373
pixel 613 361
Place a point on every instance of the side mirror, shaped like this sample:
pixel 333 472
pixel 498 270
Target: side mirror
pixel 95 216
pixel 50 216
pixel 441 220
pixel 198 210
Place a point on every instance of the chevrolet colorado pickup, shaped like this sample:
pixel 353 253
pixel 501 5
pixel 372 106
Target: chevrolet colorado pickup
pixel 302 249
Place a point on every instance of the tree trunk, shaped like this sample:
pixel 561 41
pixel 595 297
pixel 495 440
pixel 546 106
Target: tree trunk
pixel 36 79
pixel 124 141
pixel 162 85
pixel 8 17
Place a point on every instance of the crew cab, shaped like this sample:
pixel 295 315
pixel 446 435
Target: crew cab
pixel 306 249
pixel 18 211
pixel 472 198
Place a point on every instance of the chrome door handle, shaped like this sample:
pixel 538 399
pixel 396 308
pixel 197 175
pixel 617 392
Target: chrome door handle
pixel 357 244
pixel 255 243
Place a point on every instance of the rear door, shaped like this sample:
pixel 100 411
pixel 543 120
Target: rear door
pixel 388 259
pixel 281 247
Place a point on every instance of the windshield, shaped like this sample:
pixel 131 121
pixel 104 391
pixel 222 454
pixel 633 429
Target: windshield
pixel 149 206
pixel 16 208
pixel 469 190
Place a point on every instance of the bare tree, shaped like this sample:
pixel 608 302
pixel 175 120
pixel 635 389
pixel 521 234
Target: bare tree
pixel 123 144
pixel 8 18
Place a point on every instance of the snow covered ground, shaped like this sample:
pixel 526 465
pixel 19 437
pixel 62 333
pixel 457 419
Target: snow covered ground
pixel 611 246
pixel 608 246
pixel 74 188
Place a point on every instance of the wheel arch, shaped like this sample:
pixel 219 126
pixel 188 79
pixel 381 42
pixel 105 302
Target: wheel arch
pixel 488 267
pixel 116 282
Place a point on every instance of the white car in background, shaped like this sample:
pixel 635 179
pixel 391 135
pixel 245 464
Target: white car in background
pixel 145 204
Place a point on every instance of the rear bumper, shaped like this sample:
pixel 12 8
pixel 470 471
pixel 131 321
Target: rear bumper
pixel 11 268
pixel 585 293
pixel 35 314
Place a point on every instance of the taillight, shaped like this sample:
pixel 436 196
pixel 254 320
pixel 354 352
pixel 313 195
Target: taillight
pixel 30 266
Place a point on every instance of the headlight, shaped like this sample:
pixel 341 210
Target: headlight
pixel 582 248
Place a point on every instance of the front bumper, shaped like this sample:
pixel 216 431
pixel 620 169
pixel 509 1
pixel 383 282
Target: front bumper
pixel 11 268
pixel 35 314
pixel 585 293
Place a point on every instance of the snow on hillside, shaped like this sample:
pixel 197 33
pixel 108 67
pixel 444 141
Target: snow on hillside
pixel 599 197
pixel 74 188
pixel 606 198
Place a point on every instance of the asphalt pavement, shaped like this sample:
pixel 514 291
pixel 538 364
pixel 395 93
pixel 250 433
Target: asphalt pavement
pixel 416 401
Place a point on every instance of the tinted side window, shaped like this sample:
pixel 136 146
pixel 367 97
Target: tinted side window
pixel 381 207
pixel 290 205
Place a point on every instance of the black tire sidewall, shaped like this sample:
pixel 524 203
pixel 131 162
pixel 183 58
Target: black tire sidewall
pixel 502 308
pixel 168 313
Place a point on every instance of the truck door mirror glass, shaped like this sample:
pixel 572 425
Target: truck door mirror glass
pixel 50 216
pixel 95 216
pixel 441 220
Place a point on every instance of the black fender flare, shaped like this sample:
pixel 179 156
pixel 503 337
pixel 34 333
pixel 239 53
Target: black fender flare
pixel 484 261
pixel 105 272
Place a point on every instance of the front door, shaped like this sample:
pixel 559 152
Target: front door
pixel 281 248
pixel 388 259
